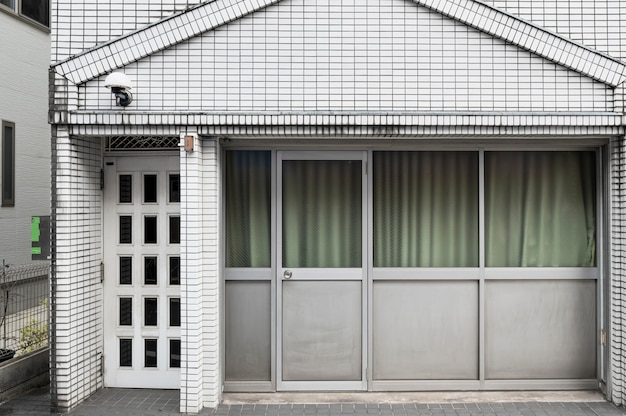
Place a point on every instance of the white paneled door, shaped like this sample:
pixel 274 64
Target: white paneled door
pixel 142 272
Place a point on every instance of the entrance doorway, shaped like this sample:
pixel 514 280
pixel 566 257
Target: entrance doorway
pixel 142 274
pixel 322 270
pixel 412 270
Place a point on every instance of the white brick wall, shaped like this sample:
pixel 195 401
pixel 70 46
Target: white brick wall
pixel 617 301
pixel 200 290
pixel 382 56
pixel 81 24
pixel 352 56
pixel 76 295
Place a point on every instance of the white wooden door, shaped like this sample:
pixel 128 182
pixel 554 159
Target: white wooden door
pixel 142 273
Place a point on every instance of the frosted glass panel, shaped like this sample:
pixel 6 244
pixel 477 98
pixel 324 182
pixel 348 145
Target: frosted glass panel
pixel 425 209
pixel 322 213
pixel 248 192
pixel 540 209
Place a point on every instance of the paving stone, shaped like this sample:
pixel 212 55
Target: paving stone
pixel 132 402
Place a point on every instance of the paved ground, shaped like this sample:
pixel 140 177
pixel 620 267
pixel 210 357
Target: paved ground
pixel 128 402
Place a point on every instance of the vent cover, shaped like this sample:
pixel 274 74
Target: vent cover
pixel 142 143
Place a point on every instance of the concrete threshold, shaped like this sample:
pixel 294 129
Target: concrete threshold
pixel 413 397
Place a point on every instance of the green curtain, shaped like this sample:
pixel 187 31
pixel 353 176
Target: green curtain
pixel 248 205
pixel 426 209
pixel 322 213
pixel 540 209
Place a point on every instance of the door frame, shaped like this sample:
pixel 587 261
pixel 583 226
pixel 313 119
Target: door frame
pixel 282 155
pixel 600 272
pixel 137 376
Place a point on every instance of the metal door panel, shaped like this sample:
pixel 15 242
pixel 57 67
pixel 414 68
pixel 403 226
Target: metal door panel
pixel 321 306
pixel 540 329
pixel 322 340
pixel 425 330
pixel 248 331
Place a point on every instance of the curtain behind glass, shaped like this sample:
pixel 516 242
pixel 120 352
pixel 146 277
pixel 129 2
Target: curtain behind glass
pixel 322 207
pixel 425 209
pixel 540 209
pixel 248 205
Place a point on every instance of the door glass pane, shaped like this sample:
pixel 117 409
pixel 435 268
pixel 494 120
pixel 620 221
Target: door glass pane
pixel 126 189
pixel 126 311
pixel 426 209
pixel 150 311
pixel 149 188
pixel 174 187
pixel 174 270
pixel 248 204
pixel 540 209
pixel 150 230
pixel 174 353
pixel 321 202
pixel 126 352
pixel 150 357
pixel 150 270
pixel 126 229
pixel 126 270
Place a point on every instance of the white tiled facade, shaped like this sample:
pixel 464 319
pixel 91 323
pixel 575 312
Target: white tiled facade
pixel 299 70
pixel 77 265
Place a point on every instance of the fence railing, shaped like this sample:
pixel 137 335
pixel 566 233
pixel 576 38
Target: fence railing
pixel 24 292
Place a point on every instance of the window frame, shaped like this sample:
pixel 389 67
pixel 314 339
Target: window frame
pixel 8 202
pixel 17 11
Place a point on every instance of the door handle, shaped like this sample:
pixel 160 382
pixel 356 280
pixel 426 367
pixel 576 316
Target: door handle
pixel 287 274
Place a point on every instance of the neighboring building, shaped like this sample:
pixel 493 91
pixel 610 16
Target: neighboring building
pixel 374 195
pixel 25 133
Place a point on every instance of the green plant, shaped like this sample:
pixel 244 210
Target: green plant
pixel 33 335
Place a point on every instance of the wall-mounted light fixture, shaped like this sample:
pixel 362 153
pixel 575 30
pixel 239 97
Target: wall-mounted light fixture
pixel 120 84
pixel 187 141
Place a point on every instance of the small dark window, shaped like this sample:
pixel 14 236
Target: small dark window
pixel 126 352
pixel 174 353
pixel 175 312
pixel 149 189
pixel 126 270
pixel 126 189
pixel 38 10
pixel 150 357
pixel 150 230
pixel 126 311
pixel 174 270
pixel 150 311
pixel 8 164
pixel 126 229
pixel 150 270
pixel 175 229
pixel 174 188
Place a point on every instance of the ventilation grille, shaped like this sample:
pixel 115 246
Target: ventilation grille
pixel 142 143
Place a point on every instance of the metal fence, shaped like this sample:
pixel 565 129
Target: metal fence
pixel 24 292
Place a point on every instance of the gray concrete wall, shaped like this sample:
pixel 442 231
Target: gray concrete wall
pixel 23 373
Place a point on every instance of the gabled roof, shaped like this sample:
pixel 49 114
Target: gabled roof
pixel 212 14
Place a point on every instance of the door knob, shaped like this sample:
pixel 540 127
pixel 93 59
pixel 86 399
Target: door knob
pixel 287 274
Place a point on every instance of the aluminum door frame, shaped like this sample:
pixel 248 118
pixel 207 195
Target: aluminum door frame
pixel 349 274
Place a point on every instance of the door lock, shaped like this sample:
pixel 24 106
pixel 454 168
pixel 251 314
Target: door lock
pixel 287 274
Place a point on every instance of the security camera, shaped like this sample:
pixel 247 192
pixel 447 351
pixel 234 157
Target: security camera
pixel 120 84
